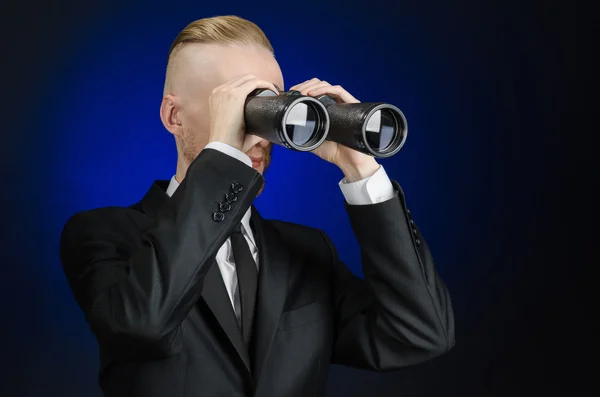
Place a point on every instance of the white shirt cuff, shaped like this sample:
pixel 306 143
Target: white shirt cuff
pixel 374 189
pixel 231 151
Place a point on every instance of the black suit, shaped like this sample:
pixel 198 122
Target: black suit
pixel 146 280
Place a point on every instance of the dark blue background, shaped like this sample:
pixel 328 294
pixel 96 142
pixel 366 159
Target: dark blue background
pixel 489 168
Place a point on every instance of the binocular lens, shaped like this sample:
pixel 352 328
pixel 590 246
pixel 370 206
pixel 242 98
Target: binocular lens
pixel 375 128
pixel 301 123
pixel 289 119
pixel 381 130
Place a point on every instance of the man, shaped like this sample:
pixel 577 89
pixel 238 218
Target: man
pixel 190 292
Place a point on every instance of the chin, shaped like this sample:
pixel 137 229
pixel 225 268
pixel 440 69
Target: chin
pixel 259 167
pixel 261 170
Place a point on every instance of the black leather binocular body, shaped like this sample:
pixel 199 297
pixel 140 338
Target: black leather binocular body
pixel 302 123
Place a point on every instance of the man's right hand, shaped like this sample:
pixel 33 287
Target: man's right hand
pixel 226 107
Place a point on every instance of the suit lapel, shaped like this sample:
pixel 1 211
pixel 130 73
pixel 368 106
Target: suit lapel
pixel 272 288
pixel 215 295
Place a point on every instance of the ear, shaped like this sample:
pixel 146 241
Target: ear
pixel 169 114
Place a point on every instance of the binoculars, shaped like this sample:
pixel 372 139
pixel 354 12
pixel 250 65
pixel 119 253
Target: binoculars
pixel 302 123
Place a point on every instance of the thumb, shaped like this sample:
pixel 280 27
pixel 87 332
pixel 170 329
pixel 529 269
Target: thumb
pixel 327 151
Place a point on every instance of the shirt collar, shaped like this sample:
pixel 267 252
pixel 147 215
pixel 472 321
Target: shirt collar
pixel 173 185
pixel 246 229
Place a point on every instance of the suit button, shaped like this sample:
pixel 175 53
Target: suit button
pixel 418 241
pixel 236 187
pixel 224 207
pixel 230 197
pixel 218 216
pixel 408 211
pixel 411 221
pixel 414 231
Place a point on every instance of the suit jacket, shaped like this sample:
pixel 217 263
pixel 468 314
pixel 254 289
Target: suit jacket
pixel 146 279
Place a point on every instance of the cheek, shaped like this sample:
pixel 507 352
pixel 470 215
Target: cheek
pixel 196 116
pixel 199 121
pixel 197 129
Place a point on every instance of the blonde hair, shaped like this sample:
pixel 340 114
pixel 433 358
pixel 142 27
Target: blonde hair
pixel 225 30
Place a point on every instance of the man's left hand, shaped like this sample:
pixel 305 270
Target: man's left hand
pixel 354 164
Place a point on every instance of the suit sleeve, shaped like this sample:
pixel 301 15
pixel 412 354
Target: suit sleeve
pixel 140 296
pixel 401 313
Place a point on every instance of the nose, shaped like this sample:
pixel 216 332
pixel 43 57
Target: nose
pixel 263 143
pixel 253 141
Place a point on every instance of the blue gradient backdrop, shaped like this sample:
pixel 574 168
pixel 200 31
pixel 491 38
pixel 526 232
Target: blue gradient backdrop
pixel 479 82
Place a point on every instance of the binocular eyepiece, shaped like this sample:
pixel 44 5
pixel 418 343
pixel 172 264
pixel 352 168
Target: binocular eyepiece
pixel 302 123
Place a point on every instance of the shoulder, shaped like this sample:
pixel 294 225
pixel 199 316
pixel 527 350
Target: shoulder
pixel 104 222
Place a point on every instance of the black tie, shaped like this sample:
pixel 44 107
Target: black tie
pixel 247 275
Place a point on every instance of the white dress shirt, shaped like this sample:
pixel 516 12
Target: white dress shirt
pixel 375 189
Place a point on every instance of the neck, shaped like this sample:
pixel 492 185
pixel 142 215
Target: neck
pixel 182 167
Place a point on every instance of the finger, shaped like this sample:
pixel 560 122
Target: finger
pixel 308 88
pixel 240 80
pixel 314 87
pixel 313 83
pixel 297 86
pixel 235 82
pixel 250 85
pixel 336 91
pixel 301 86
